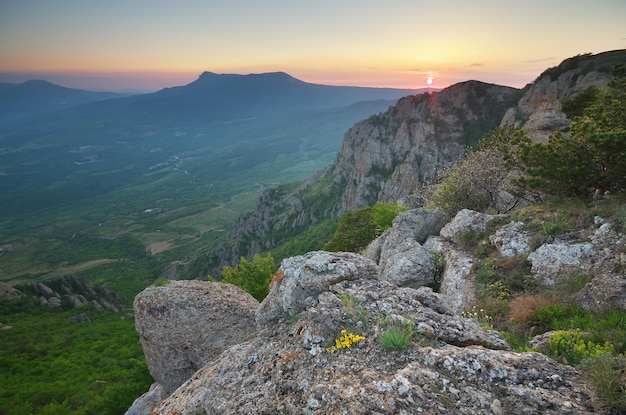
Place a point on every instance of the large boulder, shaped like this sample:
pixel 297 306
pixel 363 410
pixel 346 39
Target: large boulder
pixel 464 221
pixel 305 277
pixel 408 264
pixel 512 240
pixel 605 292
pixel 416 224
pixel 183 325
pixel 398 251
pixel 556 260
pixel 452 365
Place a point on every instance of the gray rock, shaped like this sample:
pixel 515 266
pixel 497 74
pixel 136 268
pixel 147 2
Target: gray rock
pixel 417 224
pixel 407 264
pixel 551 261
pixel 128 316
pixel 75 300
pixel 465 221
pixel 511 240
pixel 401 258
pixel 304 277
pixel 605 292
pixel 82 318
pixel 606 237
pixel 7 291
pixel 145 404
pixel 185 324
pixel 42 289
pixel 457 281
pixel 54 302
pixel 287 369
pixel 414 226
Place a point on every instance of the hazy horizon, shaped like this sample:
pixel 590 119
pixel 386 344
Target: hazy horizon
pixel 145 83
pixel 149 45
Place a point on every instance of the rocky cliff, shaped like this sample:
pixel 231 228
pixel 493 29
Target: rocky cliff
pixel 539 111
pixel 318 343
pixel 390 155
pixel 67 291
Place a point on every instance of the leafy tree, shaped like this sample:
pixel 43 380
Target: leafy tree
pixel 251 276
pixel 592 157
pixel 481 180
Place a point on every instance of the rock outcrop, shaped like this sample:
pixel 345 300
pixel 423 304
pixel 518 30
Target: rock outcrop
pixel 289 365
pixel 453 366
pixel 185 324
pixel 399 253
pixel 69 291
pixel 390 155
pixel 539 111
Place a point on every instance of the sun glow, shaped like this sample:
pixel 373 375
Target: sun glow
pixel 429 80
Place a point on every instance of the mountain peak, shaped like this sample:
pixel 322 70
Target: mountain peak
pixel 212 79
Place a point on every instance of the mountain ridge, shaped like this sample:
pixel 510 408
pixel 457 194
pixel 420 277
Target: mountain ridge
pixel 388 156
pixel 34 97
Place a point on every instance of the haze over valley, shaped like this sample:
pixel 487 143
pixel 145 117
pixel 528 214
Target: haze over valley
pixel 165 170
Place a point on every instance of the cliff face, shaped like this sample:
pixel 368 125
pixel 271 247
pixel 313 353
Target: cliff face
pixel 539 110
pixel 388 156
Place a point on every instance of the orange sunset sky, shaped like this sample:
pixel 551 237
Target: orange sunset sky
pixel 148 45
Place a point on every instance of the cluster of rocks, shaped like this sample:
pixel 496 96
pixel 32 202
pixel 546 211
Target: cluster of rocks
pixel 274 356
pixel 68 290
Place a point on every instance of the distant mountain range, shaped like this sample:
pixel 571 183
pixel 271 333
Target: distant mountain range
pixel 38 97
pixel 211 97
pixel 175 166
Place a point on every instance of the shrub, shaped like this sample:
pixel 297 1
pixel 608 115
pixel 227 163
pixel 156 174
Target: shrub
pixel 575 105
pixel 251 276
pixel 360 227
pixel 440 265
pixel 572 346
pixel 481 181
pixel 607 375
pixel 160 282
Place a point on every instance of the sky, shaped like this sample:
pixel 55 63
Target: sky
pixel 152 44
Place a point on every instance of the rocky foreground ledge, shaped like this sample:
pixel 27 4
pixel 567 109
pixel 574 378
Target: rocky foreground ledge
pixel 283 362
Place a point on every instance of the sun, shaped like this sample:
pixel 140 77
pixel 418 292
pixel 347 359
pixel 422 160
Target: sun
pixel 429 80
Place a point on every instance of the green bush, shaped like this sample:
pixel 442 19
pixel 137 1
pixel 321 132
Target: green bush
pixel 360 227
pixel 574 106
pixel 572 346
pixel 251 276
